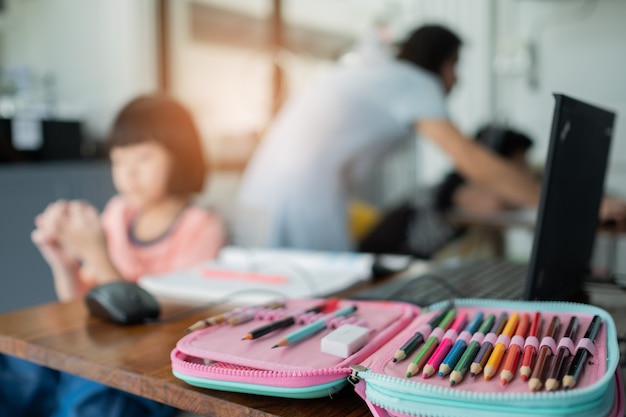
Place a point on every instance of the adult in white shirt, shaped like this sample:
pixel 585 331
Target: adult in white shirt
pixel 294 192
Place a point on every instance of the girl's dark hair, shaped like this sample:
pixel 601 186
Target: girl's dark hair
pixel 429 47
pixel 161 119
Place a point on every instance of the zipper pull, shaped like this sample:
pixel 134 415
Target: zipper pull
pixel 354 376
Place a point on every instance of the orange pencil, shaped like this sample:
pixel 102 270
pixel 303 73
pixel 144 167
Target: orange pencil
pixel 503 342
pixel 530 348
pixel 515 350
pixel 548 345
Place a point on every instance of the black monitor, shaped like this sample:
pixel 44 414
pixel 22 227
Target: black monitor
pixel 571 192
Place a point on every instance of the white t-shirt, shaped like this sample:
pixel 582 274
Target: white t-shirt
pixel 294 190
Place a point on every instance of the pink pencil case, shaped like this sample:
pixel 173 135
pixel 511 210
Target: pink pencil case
pixel 218 358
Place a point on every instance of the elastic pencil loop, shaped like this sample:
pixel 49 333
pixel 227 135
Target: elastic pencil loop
pixel 424 330
pixel 586 343
pixel 359 322
pixel 438 333
pixel 517 340
pixel 504 339
pixel 477 337
pixel 532 341
pixel 491 338
pixel 451 334
pixel 568 343
pixel 274 315
pixel 264 313
pixel 548 341
pixel 465 336
pixel 307 318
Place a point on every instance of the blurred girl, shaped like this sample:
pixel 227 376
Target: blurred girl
pixel 150 227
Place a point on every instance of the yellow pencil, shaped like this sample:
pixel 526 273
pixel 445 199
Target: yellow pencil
pixel 500 348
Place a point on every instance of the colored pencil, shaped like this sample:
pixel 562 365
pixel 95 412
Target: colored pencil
pixel 459 346
pixel 545 351
pixel 556 371
pixel 493 363
pixel 444 345
pixel 222 317
pixel 480 360
pixel 463 365
pixel 282 323
pixel 431 344
pixel 530 350
pixel 313 328
pixel 421 334
pixel 580 358
pixel 511 358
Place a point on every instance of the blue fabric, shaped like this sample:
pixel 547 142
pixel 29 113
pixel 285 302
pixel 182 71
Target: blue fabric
pixel 30 390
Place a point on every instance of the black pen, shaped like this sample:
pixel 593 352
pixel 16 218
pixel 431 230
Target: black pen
pixel 578 363
pixel 282 323
pixel 418 337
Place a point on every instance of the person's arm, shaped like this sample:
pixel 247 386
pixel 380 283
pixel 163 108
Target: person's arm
pixel 482 166
pixel 64 265
pixel 83 233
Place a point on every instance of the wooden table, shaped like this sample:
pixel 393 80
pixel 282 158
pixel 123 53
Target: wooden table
pixel 136 359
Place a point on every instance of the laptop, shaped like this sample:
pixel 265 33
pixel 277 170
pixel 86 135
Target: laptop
pixel 565 230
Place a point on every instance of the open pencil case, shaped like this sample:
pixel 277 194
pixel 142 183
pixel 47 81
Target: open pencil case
pixel 217 358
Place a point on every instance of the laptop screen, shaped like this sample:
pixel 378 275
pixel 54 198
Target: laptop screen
pixel 571 192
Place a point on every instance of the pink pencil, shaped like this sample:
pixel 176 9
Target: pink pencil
pixel 445 345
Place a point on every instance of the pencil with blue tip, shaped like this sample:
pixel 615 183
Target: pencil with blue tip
pixel 463 365
pixel 444 345
pixel 459 346
pixel 313 328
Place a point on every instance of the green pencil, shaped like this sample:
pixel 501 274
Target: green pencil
pixel 463 365
pixel 429 347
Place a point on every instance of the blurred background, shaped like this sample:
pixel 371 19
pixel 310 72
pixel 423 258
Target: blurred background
pixel 67 66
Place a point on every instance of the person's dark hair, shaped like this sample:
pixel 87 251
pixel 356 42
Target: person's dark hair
pixel 161 119
pixel 503 140
pixel 500 139
pixel 429 47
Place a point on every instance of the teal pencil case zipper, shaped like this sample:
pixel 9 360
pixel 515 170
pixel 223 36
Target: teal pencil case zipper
pixel 217 358
pixel 600 392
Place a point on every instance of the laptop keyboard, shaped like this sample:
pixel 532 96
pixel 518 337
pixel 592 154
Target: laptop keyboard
pixel 493 278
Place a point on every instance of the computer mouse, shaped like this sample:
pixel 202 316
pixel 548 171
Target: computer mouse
pixel 122 302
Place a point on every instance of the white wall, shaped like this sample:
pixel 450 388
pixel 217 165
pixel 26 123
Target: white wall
pixel 101 52
pixel 581 51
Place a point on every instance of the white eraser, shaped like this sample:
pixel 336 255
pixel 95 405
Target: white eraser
pixel 345 340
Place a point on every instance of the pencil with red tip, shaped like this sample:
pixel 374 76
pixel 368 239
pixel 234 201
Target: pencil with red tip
pixel 531 346
pixel 444 345
pixel 451 359
pixel 547 347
